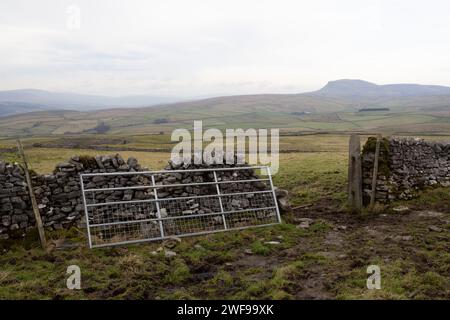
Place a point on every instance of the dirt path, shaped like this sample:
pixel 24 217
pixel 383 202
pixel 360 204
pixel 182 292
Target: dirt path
pixel 356 242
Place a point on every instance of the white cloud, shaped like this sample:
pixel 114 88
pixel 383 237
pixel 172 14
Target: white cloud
pixel 206 47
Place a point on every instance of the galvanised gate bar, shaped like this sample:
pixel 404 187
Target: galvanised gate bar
pixel 133 207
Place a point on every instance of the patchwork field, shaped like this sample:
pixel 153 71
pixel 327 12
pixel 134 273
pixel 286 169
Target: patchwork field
pixel 287 119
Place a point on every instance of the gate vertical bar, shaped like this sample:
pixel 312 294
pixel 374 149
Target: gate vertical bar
pixel 220 200
pixel 157 206
pixel 274 194
pixel 86 211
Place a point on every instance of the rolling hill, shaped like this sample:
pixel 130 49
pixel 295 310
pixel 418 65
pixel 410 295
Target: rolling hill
pixel 30 100
pixel 332 108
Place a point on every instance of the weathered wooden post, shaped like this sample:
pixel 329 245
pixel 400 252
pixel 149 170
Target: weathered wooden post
pixel 37 214
pixel 354 174
pixel 375 172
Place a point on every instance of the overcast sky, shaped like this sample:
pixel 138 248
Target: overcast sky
pixel 189 48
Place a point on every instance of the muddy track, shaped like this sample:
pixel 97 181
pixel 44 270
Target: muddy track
pixel 355 242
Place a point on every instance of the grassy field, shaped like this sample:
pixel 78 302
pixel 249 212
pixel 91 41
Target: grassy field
pixel 288 119
pixel 314 167
pixel 327 260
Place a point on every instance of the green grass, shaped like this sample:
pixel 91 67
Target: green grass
pixel 259 248
pixel 399 280
pixel 313 176
pixel 431 198
pixel 218 266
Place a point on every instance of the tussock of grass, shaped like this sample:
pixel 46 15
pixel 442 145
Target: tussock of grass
pixel 131 263
pixel 222 279
pixel 281 285
pixel 3 276
pixel 259 248
pixel 179 272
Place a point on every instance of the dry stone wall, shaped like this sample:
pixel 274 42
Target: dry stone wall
pixel 406 166
pixel 59 194
pixel 14 200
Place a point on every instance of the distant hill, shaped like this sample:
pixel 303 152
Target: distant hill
pixel 30 100
pixel 361 88
pixel 334 107
pixel 11 107
pixel 339 95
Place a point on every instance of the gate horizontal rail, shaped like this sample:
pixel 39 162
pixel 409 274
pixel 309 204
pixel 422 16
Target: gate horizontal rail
pixel 110 220
pixel 175 185
pixel 176 198
pixel 178 217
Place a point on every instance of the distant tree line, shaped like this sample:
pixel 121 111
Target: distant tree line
pixel 100 128
pixel 373 109
pixel 160 120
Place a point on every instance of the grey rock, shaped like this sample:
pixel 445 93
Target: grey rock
pixel 435 228
pixel 19 218
pixel 273 243
pixel 281 193
pixel 304 225
pixel 400 209
pixel 6 221
pixel 283 204
pixel 169 254
pixel 171 243
pixel 132 162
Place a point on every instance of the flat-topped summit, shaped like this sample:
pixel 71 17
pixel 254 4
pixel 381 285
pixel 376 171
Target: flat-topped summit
pixel 356 87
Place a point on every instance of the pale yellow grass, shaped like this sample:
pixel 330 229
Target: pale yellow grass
pixel 76 126
pixel 43 160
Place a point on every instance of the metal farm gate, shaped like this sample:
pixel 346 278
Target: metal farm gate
pixel 132 207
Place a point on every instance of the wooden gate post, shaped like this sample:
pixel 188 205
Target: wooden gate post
pixel 375 172
pixel 354 174
pixel 37 214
